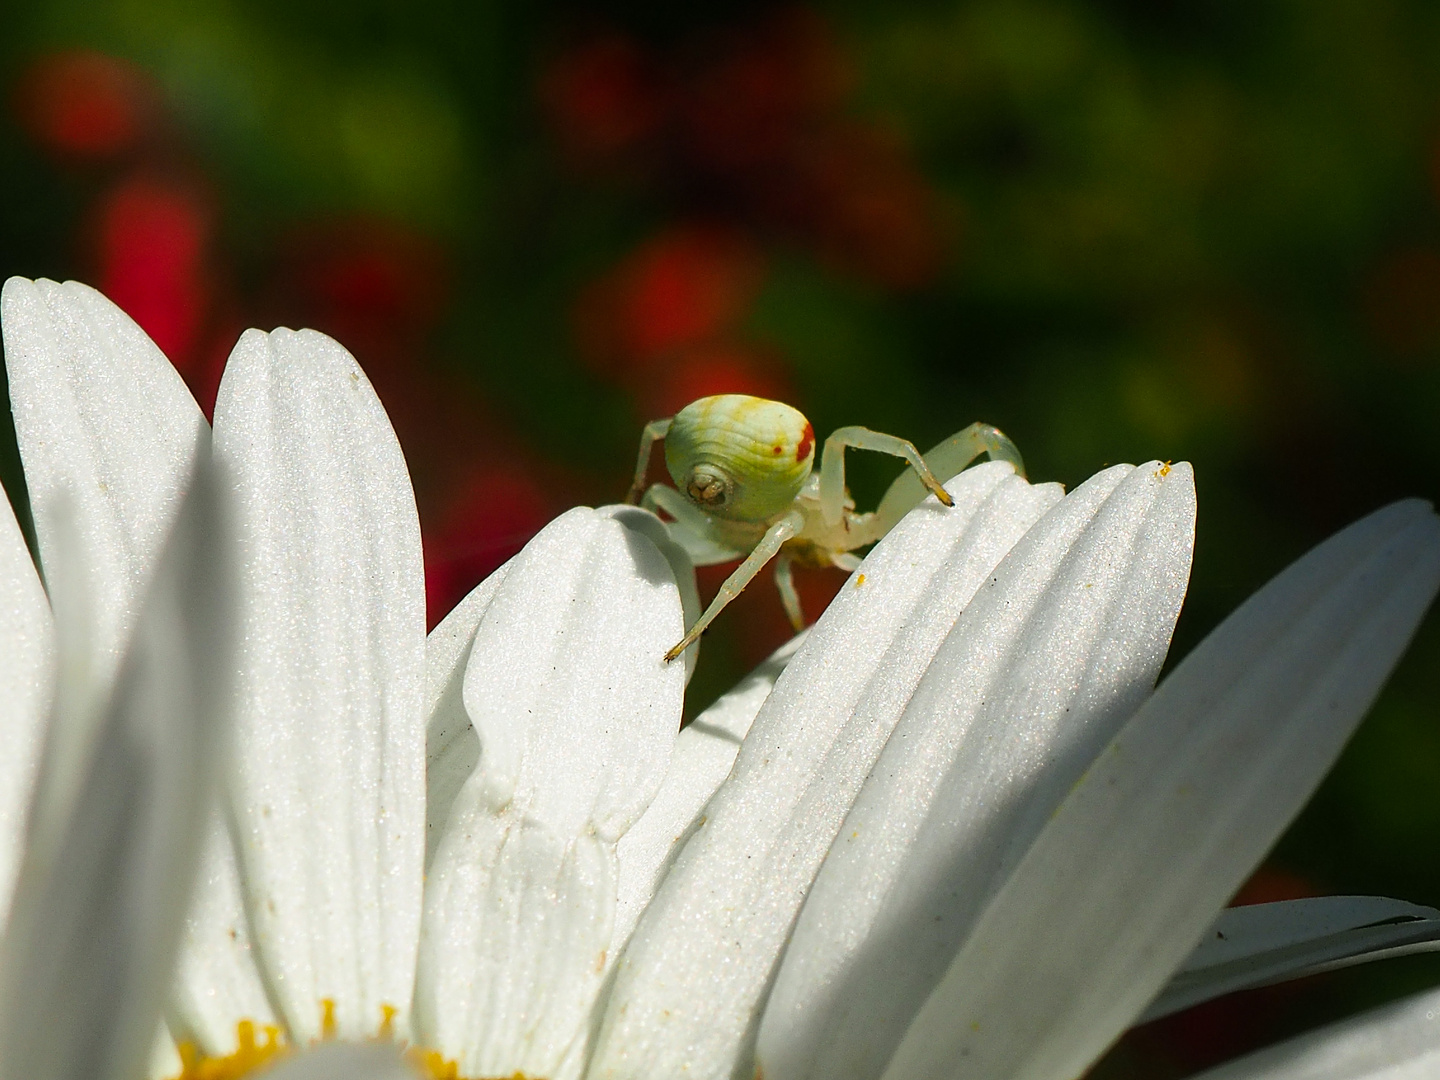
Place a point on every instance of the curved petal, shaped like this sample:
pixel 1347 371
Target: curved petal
pixel 1176 812
pixel 217 981
pixel 704 752
pixel 690 982
pixel 451 746
pixel 1056 651
pixel 681 565
pixel 165 1060
pixel 329 796
pixel 27 675
pixel 101 416
pixel 89 947
pixel 562 678
pixel 576 712
pixel 1399 1041
pixel 1261 944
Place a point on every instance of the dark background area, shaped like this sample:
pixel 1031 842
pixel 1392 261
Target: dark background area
pixel 1119 230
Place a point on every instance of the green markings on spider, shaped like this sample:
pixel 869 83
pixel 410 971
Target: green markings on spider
pixel 738 457
pixel 745 486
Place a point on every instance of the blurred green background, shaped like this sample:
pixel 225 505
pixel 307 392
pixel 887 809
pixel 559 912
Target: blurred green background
pixel 1120 230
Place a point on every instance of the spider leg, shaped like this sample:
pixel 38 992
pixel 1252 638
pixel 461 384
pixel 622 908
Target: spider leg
pixel 653 433
pixel 692 528
pixel 785 582
pixel 832 467
pixel 945 460
pixel 765 550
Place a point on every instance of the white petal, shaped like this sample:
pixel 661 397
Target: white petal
pixel 576 713
pixel 562 678
pixel 329 802
pixel 688 987
pixel 1056 652
pixel 681 565
pixel 165 1059
pixel 78 702
pixel 1400 1041
pixel 451 746
pixel 1176 812
pixel 217 980
pixel 1260 944
pixel 102 416
pixel 704 752
pixel 89 948
pixel 344 1061
pixel 27 673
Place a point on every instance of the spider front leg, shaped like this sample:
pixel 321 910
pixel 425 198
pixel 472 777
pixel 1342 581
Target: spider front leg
pixel 694 529
pixel 832 467
pixel 946 459
pixel 789 598
pixel 785 582
pixel 653 433
pixel 769 545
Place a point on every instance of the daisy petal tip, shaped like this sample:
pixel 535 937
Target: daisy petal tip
pixel 15 291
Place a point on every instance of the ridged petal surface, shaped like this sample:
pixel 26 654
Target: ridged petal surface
pixel 688 988
pixel 451 746
pixel 1054 653
pixel 704 754
pixel 106 423
pixel 1260 944
pixel 217 978
pixel 576 713
pixel 329 797
pixel 89 948
pixel 1176 812
pixel 27 674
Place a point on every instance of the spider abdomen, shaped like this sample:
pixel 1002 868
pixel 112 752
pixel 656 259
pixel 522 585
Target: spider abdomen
pixel 740 457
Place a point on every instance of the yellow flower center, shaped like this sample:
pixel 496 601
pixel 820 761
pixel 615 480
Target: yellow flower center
pixel 249 1055
pixel 252 1055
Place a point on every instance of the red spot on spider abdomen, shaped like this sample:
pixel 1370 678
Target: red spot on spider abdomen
pixel 807 443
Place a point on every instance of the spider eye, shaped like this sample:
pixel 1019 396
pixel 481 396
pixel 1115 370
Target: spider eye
pixel 740 457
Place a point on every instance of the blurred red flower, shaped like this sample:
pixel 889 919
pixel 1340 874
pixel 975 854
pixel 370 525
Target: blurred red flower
pixel 750 123
pixel 713 368
pixel 688 285
pixel 489 519
pixel 151 241
pixel 84 104
pixel 747 94
pixel 602 97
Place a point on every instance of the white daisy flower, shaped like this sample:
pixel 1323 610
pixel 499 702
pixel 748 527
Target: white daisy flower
pixel 308 919
pixel 961 835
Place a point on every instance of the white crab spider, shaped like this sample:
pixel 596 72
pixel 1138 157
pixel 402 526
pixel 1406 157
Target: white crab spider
pixel 743 469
